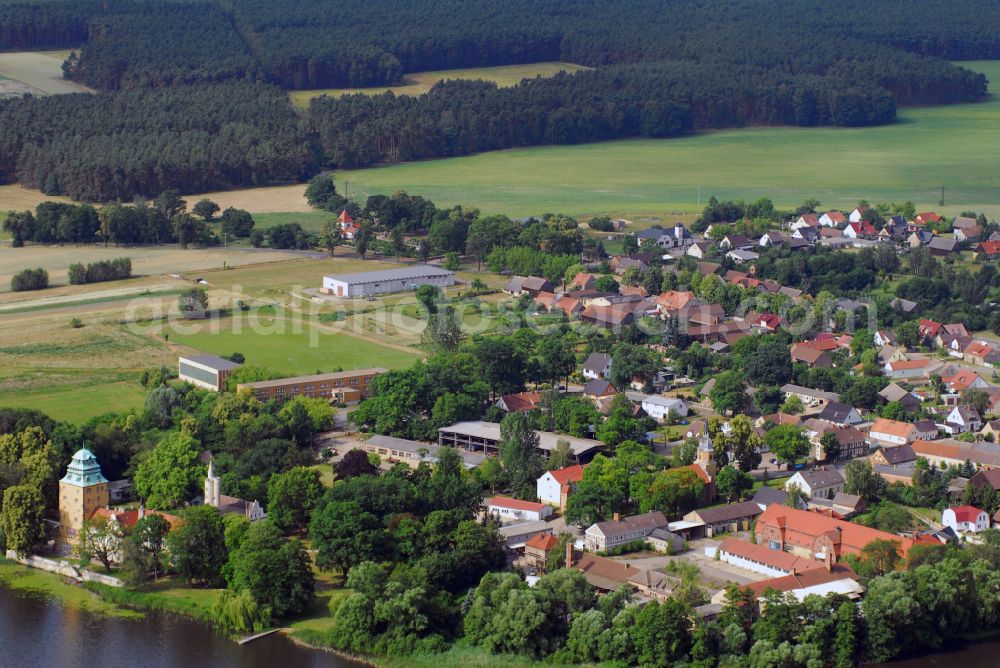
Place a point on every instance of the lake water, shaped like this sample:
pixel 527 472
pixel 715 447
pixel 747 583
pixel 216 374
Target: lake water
pixel 36 632
pixel 973 655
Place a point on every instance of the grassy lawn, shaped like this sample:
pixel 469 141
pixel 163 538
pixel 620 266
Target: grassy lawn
pixel 78 404
pixel 38 582
pixel 956 146
pixel 418 83
pixel 285 350
pixel 167 594
pixel 463 656
pixel 309 220
pixel 325 473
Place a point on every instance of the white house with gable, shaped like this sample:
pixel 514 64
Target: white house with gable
pixel 659 407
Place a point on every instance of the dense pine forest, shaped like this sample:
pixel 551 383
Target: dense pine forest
pixel 663 68
pixel 116 145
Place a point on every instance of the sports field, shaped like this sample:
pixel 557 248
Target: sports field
pixel 418 83
pixel 283 347
pixel 956 146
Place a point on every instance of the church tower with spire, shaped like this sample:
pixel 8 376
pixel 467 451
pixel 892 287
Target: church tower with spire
pixel 706 456
pixel 213 488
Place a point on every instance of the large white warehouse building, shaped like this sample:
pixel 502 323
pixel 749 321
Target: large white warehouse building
pixel 387 280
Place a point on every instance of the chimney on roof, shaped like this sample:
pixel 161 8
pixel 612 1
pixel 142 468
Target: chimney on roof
pixel 679 231
pixel 828 560
pixel 569 553
pixel 617 517
pixel 142 511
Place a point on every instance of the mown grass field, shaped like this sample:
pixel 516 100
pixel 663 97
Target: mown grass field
pixel 79 403
pixel 418 83
pixel 957 147
pixel 279 345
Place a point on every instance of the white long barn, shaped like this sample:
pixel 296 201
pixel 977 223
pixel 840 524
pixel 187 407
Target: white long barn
pixel 383 281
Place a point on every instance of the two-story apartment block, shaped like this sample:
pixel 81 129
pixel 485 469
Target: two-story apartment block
pixel 348 387
pixel 604 536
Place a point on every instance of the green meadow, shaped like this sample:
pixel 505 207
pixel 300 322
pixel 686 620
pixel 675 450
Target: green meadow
pixel 78 403
pixel 292 352
pixel 956 146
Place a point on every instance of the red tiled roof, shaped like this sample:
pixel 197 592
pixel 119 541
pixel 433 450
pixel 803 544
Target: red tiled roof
pixel 705 478
pixel 961 380
pixel 770 320
pixel 803 352
pixel 567 475
pixel 802 528
pixel 129 518
pixel 542 541
pixel 979 348
pixel 908 364
pixel 783 561
pixel 822 345
pixel 522 401
pixel 929 327
pixel 816 575
pixel 674 300
pixel 514 504
pixel 990 247
pixel 892 427
pixel 966 513
pixel 345 217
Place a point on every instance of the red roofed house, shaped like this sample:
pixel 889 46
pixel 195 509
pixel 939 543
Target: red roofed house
pixel 963 519
pixel 345 219
pixel 823 343
pixel 858 214
pixel 555 487
pixel 859 230
pixel 768 322
pixel 991 249
pixel 963 380
pixel 927 217
pixel 832 219
pixel 509 510
pixel 929 329
pixel 805 352
pixel 569 305
pixel 128 518
pixel 837 579
pixel 583 281
pixel 538 549
pixel 520 402
pixel 813 536
pixel 979 352
pixel 674 300
pixel 806 220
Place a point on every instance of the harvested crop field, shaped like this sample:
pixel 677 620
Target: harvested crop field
pixel 15 198
pixel 150 261
pixel 418 83
pixel 35 72
pixel 267 199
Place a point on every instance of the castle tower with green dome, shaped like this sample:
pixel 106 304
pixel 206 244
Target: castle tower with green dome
pixel 81 491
